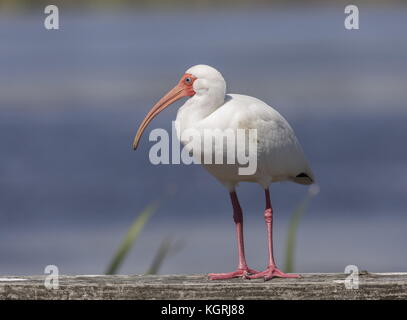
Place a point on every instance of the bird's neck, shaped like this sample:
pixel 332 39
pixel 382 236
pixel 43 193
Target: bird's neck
pixel 197 108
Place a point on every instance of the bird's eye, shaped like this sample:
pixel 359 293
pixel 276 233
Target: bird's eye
pixel 188 80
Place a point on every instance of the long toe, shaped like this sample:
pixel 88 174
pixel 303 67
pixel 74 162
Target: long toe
pixel 239 273
pixel 257 275
pixel 280 274
pixel 272 272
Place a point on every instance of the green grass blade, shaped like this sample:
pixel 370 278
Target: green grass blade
pixel 162 252
pixel 167 246
pixel 130 238
pixel 293 228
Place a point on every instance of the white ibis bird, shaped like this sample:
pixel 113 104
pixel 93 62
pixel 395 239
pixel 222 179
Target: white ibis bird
pixel 279 154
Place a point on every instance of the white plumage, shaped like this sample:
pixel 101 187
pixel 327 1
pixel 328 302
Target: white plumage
pixel 280 156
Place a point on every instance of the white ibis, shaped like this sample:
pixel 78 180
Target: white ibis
pixel 279 154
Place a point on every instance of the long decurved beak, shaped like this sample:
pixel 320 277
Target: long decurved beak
pixel 173 95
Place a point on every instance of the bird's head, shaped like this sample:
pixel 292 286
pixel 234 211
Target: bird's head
pixel 199 80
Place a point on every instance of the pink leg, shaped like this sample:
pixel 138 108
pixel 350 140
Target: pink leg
pixel 272 270
pixel 242 270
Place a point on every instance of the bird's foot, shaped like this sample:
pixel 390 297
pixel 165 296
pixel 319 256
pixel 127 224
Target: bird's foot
pixel 239 273
pixel 270 273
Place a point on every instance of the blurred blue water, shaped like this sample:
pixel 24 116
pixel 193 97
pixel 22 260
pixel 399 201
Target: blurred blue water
pixel 71 101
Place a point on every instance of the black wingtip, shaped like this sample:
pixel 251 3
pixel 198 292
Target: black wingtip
pixel 305 178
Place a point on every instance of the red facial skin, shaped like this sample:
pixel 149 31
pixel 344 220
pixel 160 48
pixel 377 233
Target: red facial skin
pixel 184 88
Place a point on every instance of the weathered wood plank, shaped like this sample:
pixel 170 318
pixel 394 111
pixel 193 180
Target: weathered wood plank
pixel 309 286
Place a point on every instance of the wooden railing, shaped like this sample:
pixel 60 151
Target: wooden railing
pixel 309 286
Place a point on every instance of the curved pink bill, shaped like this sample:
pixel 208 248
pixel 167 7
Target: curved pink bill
pixel 179 91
